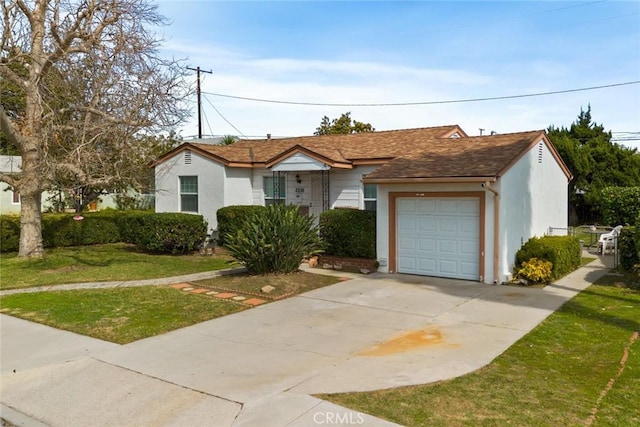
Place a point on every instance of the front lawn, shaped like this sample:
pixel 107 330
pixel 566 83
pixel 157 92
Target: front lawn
pixel 98 263
pixel 123 315
pixel 119 315
pixel 553 376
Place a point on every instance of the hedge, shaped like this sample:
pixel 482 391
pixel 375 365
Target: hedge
pixel 563 251
pixel 629 247
pixel 231 219
pixel 349 233
pixel 154 232
pixel 620 205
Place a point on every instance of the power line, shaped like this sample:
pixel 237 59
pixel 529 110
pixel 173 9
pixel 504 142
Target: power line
pixel 404 104
pixel 223 117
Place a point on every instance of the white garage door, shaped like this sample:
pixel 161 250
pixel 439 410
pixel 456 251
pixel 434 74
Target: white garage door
pixel 439 236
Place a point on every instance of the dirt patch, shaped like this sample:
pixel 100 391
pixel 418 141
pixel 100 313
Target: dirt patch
pixel 406 342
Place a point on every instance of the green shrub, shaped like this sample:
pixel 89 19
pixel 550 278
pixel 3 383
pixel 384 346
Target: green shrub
pixel 349 233
pixel 620 205
pixel 9 233
pixel 231 219
pixel 563 252
pixel 274 240
pixel 628 248
pixel 60 230
pixel 535 271
pixel 155 232
pixel 165 232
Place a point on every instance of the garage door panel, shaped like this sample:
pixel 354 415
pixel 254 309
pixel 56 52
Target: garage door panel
pixel 468 248
pixel 447 206
pixel 438 236
pixel 407 244
pixel 426 206
pixel 448 247
pixel 427 245
pixel 468 207
pixel 448 225
pixel 427 224
pixel 407 205
pixel 468 225
pixel 469 268
pixel 447 267
pixel 427 266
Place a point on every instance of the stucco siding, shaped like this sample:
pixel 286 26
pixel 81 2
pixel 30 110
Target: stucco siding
pixel 346 187
pixel 533 195
pixel 211 178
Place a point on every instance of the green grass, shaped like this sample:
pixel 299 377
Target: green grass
pixel 552 376
pixel 119 315
pixel 123 315
pixel 100 263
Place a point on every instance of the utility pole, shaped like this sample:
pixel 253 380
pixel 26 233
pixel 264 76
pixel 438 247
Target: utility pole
pixel 198 71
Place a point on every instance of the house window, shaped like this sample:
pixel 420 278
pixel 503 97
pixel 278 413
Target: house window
pixel 370 197
pixel 188 194
pixel 270 192
pixel 15 197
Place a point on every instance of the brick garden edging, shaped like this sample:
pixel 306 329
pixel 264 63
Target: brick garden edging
pixel 354 265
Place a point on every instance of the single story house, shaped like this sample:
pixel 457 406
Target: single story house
pixel 447 204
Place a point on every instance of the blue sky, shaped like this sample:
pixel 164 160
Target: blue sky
pixel 395 52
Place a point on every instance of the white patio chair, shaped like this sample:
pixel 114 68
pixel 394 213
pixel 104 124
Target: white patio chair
pixel 607 240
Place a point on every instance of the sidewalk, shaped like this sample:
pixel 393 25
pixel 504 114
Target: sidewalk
pixel 261 366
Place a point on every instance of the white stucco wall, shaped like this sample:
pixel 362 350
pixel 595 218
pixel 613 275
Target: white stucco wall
pixel 534 197
pixel 211 185
pixel 6 200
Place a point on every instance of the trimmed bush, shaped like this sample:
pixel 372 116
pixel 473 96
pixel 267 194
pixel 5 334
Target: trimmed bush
pixel 9 233
pixel 274 240
pixel 629 247
pixel 231 219
pixel 173 233
pixel 563 252
pixel 349 233
pixel 154 232
pixel 60 230
pixel 620 205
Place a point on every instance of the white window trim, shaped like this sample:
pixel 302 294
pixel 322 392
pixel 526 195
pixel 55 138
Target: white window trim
pixel 369 199
pixel 13 198
pixel 180 194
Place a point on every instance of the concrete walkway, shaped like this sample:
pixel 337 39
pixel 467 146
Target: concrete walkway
pixel 260 366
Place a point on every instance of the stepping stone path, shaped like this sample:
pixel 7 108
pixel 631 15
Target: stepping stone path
pixel 188 287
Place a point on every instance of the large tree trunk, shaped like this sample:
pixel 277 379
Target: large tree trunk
pixel 30 203
pixel 30 226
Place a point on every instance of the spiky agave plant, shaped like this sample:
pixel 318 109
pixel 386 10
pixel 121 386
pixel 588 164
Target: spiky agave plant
pixel 275 240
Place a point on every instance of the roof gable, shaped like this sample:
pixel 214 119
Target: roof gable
pixel 474 158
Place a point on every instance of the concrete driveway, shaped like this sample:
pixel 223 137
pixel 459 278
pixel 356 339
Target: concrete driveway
pixel 260 366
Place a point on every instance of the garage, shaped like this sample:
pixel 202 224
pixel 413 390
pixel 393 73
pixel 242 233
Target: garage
pixel 439 236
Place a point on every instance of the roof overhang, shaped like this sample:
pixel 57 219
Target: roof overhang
pixel 188 146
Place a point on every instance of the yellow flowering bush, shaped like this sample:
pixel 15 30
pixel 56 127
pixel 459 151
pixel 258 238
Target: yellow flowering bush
pixel 535 271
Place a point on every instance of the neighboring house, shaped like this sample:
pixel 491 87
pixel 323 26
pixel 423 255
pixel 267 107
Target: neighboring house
pixel 10 200
pixel 447 204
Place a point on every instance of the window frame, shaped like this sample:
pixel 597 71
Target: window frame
pixel 15 197
pixel 188 194
pixel 270 200
pixel 367 201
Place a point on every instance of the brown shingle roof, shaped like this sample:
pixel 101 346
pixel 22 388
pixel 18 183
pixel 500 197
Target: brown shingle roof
pixel 408 154
pixel 337 148
pixel 483 156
